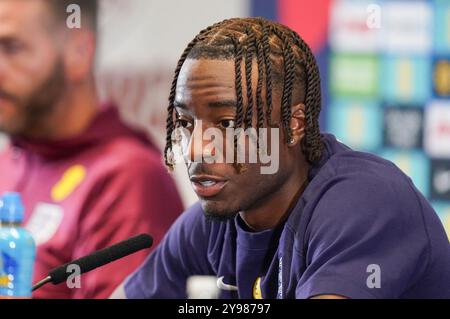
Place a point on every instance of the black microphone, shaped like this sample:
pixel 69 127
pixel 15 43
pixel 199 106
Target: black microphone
pixel 98 259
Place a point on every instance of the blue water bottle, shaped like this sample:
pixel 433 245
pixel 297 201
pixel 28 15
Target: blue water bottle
pixel 17 250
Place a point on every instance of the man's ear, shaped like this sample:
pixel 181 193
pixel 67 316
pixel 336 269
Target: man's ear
pixel 79 52
pixel 297 123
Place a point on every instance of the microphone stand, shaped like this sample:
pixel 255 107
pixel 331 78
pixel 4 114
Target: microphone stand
pixel 44 281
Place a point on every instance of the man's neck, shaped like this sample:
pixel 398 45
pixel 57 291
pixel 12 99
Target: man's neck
pixel 73 114
pixel 280 204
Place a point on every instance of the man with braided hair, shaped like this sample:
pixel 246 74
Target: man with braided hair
pixel 329 223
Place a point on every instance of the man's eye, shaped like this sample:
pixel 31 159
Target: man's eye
pixel 183 123
pixel 227 123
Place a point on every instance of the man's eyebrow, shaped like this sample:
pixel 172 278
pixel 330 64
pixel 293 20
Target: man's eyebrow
pixel 223 103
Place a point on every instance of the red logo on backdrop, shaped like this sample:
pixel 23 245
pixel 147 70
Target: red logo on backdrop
pixel 444 129
pixel 308 18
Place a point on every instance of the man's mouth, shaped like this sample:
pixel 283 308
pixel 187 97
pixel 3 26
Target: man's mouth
pixel 207 185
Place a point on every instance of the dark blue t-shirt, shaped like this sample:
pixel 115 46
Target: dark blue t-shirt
pixel 360 229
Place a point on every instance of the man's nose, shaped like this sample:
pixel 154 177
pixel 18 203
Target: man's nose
pixel 199 147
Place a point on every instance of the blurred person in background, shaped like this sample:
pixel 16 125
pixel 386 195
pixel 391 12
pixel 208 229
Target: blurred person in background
pixel 87 180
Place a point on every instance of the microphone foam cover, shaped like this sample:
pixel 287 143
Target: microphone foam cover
pixel 102 257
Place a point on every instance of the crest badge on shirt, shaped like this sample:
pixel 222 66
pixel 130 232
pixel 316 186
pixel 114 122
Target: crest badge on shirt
pixel 257 293
pixel 44 222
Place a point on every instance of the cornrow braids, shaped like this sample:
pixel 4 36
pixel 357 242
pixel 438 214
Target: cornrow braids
pixel 248 76
pixel 289 77
pixel 238 49
pixel 170 124
pixel 283 59
pixel 259 102
pixel 238 78
pixel 312 141
pixel 268 65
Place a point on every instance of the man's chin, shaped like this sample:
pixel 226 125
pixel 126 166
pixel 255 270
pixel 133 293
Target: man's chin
pixel 217 211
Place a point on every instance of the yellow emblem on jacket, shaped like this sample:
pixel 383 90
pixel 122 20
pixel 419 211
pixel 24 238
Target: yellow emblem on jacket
pixel 71 178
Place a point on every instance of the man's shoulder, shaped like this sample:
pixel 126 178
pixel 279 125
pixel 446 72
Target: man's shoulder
pixel 128 158
pixel 361 168
pixel 361 172
pixel 365 165
pixel 132 150
pixel 363 187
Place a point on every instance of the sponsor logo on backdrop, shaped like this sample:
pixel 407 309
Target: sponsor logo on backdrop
pixel 440 180
pixel 358 123
pixel 354 75
pixel 407 26
pixel 355 26
pixel 394 68
pixel 403 127
pixel 437 129
pixel 406 80
pixel 441 77
pixel 442 26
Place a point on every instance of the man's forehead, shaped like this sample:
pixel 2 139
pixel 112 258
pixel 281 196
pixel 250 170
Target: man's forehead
pixel 207 70
pixel 207 79
pixel 21 15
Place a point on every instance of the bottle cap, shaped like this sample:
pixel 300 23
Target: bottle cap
pixel 11 208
